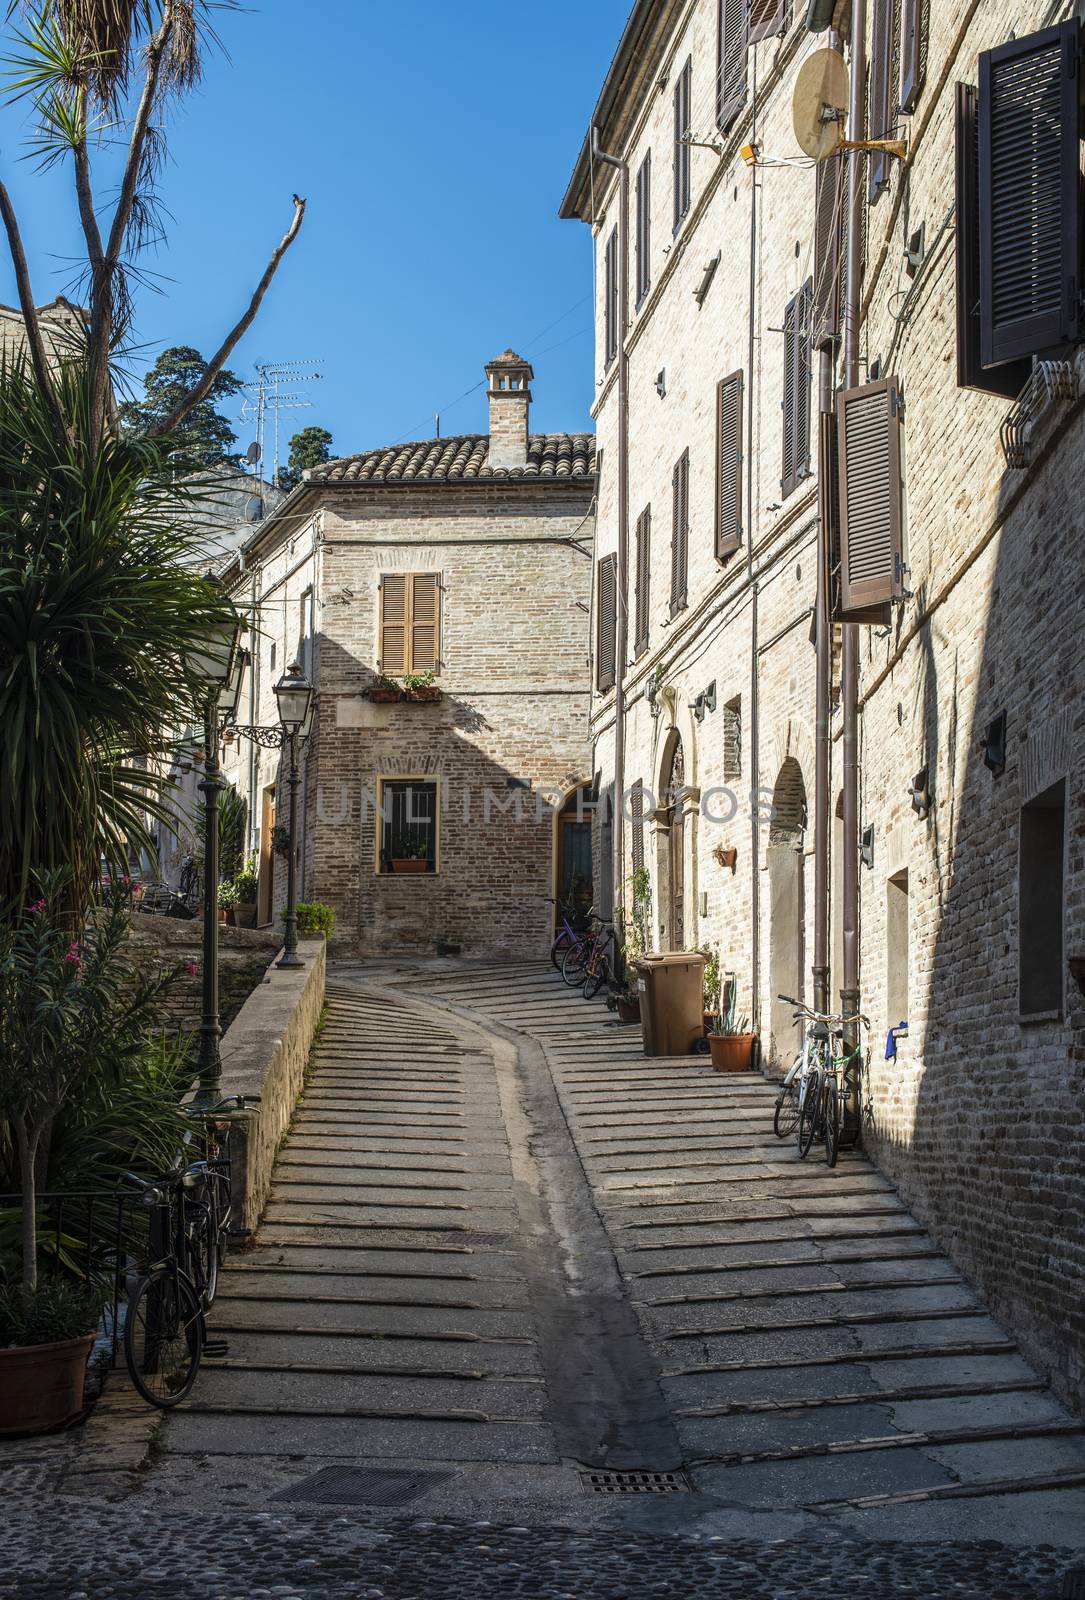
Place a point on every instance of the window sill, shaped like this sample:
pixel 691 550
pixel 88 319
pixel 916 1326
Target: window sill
pixel 1032 1019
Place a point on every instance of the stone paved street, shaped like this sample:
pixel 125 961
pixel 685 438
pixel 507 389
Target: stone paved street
pixel 506 1251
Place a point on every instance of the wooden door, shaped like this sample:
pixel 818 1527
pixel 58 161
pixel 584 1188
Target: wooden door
pixel 265 893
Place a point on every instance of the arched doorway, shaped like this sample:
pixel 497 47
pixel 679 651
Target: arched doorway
pixel 572 849
pixel 787 908
pixel 672 845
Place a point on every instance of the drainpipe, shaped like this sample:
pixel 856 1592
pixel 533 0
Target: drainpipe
pixel 850 656
pixel 755 741
pixel 621 630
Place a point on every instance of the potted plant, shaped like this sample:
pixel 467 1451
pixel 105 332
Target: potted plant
pixel 420 686
pixel 634 944
pixel 730 1043
pixel 45 1340
pixel 711 987
pixel 384 690
pixel 228 899
pixel 280 839
pixel 410 855
pixel 246 885
pixel 313 917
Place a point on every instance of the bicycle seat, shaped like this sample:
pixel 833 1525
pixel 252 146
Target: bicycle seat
pixel 819 1030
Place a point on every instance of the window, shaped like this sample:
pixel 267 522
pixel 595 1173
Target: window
pixel 870 503
pixel 796 399
pixel 643 582
pixel 606 622
pixel 644 227
pixel 679 532
pixel 636 830
pixel 728 466
pixel 730 62
pixel 1040 896
pixel 880 115
pixel 681 147
pixel 409 815
pixel 610 307
pixel 410 622
pixel 732 740
pixel 913 53
pixel 896 949
pixel 766 18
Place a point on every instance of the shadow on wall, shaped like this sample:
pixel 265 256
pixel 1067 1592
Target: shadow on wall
pixel 980 1119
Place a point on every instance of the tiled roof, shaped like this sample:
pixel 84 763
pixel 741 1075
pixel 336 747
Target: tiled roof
pixel 461 460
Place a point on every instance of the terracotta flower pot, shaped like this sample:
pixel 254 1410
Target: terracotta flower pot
pixel 41 1385
pixel 628 1010
pixel 731 1052
pixel 385 697
pixel 426 692
pixel 245 914
pixel 409 864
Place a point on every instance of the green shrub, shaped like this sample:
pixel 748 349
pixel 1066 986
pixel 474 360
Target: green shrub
pixel 313 917
pixel 57 1309
pixel 246 882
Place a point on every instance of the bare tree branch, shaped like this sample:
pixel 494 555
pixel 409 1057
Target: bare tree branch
pixel 34 339
pixel 222 355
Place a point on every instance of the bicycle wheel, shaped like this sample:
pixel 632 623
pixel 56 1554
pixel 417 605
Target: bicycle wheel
pixel 573 963
pixel 832 1123
pixel 808 1112
pixel 595 977
pixel 562 943
pixel 785 1119
pixel 163 1337
pixel 207 1244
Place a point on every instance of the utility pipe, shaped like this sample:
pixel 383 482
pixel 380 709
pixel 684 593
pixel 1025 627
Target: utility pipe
pixel 621 630
pixel 751 462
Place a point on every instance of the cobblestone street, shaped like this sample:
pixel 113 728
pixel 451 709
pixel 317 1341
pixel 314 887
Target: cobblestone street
pixel 506 1254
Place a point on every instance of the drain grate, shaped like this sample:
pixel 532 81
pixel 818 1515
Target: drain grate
pixel 635 1482
pixel 355 1486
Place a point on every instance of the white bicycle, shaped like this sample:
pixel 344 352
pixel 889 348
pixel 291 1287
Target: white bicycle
pixel 809 1100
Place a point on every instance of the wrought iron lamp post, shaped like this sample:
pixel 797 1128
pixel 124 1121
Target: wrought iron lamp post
pixel 294 694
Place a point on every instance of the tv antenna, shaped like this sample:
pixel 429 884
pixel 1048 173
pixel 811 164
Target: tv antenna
pixel 272 391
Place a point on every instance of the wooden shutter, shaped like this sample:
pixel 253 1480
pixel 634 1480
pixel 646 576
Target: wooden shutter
pixel 728 466
pixel 1009 379
pixel 913 52
pixel 766 18
pixel 610 307
pixel 679 532
pixel 881 75
pixel 636 810
pixel 829 513
pixel 1030 234
pixel 644 227
pixel 871 511
pixel 606 623
pixel 644 581
pixel 796 396
pixel 828 218
pixel 393 632
pixel 681 148
pixel 425 622
pixel 730 61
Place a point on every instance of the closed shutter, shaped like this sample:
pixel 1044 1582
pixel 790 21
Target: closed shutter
pixel 881 77
pixel 679 532
pixel 913 52
pixel 728 466
pixel 644 227
pixel 1029 195
pixel 636 810
pixel 606 623
pixel 766 18
pixel 425 622
pixel 828 217
pixel 871 511
pixel 610 308
pixel 394 600
pixel 796 397
pixel 1009 379
pixel 829 513
pixel 644 581
pixel 681 148
pixel 730 62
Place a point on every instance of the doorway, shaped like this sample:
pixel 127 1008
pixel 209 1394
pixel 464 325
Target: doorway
pixel 787 908
pixel 573 856
pixel 672 843
pixel 265 885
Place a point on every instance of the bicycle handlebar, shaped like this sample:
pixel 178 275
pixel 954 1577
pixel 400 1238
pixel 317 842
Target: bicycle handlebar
pixel 231 1102
pixel 803 1010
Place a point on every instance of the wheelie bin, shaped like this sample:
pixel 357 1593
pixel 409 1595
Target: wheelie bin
pixel 671 989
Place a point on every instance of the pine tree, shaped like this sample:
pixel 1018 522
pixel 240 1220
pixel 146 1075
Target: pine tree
pixel 205 434
pixel 308 448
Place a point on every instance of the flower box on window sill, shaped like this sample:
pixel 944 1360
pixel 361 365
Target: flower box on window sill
pixel 409 864
pixel 423 692
pixel 384 694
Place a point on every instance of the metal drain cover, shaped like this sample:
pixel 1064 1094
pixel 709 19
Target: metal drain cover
pixel 635 1482
pixel 361 1486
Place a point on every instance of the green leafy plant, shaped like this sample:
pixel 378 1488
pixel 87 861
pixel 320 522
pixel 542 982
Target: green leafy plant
pixel 724 1020
pixel 712 979
pixel 228 894
pixel 280 839
pixel 313 917
pixel 59 1308
pixel 247 882
pixel 418 680
pixel 407 849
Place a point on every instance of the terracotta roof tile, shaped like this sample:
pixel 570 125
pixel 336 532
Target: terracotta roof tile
pixel 461 459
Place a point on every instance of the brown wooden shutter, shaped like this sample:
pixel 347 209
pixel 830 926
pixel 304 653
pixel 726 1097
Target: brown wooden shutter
pixel 879 117
pixel 636 809
pixel 606 623
pixel 679 532
pixel 828 218
pixel 1009 379
pixel 871 510
pixel 394 601
pixel 728 466
pixel 829 513
pixel 730 61
pixel 644 581
pixel 681 148
pixel 1030 229
pixel 913 52
pixel 610 307
pixel 766 17
pixel 644 227
pixel 796 395
pixel 425 622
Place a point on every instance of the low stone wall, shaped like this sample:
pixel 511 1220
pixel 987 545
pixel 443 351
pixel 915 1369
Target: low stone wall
pixel 264 1052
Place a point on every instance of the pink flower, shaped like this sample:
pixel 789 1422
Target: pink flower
pixel 72 955
pixel 190 968
pixel 39 905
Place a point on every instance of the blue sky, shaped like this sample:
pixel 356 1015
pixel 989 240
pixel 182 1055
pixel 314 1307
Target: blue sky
pixel 433 145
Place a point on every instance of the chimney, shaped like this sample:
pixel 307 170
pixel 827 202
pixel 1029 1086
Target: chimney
pixel 510 400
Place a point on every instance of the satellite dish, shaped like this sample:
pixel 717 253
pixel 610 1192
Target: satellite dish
pixel 819 104
pixel 254 509
pixel 252 454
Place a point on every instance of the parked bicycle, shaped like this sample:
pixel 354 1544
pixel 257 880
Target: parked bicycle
pixel 574 926
pixel 810 1098
pixel 589 962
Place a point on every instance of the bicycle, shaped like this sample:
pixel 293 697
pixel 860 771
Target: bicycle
pixel 809 1100
pixel 569 933
pixel 574 961
pixel 596 965
pixel 213 1236
pixel 165 1333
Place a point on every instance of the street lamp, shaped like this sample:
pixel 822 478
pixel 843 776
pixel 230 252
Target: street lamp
pixel 220 664
pixel 294 694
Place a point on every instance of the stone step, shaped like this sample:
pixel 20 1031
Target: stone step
pixel 807 1380
pixel 204 1433
pixel 236 1389
pixel 778 1280
pixel 420 1289
pixel 435 1356
pixel 487 1219
pixel 795 1338
pixel 456 1262
pixel 687 1322
pixel 377 1320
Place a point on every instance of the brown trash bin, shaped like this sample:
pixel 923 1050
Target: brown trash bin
pixel 671 989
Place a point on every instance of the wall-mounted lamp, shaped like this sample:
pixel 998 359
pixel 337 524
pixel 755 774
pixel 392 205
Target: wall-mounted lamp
pixel 661 383
pixel 920 793
pixel 994 745
pixel 705 701
pixel 866 847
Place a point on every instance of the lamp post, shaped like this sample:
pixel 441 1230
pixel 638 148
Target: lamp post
pixel 220 664
pixel 294 694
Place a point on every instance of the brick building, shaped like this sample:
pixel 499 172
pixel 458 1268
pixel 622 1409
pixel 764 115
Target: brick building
pixel 462 564
pixel 718 347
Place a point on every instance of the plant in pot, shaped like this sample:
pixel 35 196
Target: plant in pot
pixel 280 839
pixel 712 981
pixel 228 899
pixel 420 686
pixel 410 855
pixel 313 917
pixel 384 690
pixel 634 944
pixel 246 885
pixel 730 1042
